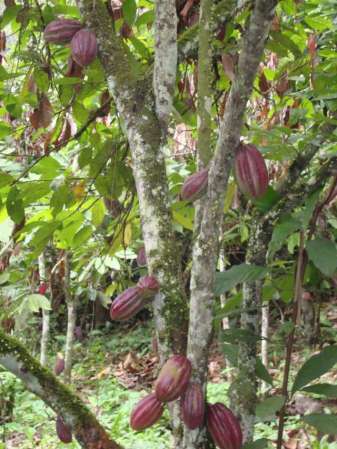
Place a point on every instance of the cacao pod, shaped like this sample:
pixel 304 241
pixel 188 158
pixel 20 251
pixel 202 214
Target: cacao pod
pixel 173 378
pixel 43 288
pixel 63 430
pixel 78 333
pixel 127 304
pixel 147 412
pixel 250 171
pixel 223 426
pixel 195 186
pixel 148 286
pixel 59 364
pixel 84 47
pixel 73 70
pixel 193 406
pixel 61 31
pixel 141 257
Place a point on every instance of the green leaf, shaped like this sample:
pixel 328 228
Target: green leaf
pixel 327 390
pixel 315 367
pixel 129 11
pixel 5 179
pixel 286 43
pixel 14 205
pixel 261 443
pixel 267 409
pixel 98 212
pixel 262 372
pixel 4 277
pixel 5 130
pixel 184 217
pixel 224 282
pixel 35 302
pixel 82 236
pixel 322 422
pixel 323 254
pixel 281 232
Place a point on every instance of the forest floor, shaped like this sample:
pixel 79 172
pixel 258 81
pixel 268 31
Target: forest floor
pixel 116 367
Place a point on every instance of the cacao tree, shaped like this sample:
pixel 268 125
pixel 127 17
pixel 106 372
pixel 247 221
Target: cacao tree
pixel 100 91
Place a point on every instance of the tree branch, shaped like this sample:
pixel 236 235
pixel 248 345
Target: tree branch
pixel 87 430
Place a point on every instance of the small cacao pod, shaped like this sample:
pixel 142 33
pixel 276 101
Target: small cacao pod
pixel 193 406
pixel 63 430
pixel 141 257
pixel 223 426
pixel 61 31
pixel 195 186
pixel 74 70
pixel 149 286
pixel 43 288
pixel 59 364
pixel 250 171
pixel 84 47
pixel 147 412
pixel 173 378
pixel 127 304
pixel 78 333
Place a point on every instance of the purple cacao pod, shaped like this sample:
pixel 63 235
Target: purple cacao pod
pixel 173 378
pixel 147 412
pixel 250 171
pixel 84 47
pixel 141 257
pixel 223 426
pixel 59 364
pixel 63 430
pixel 148 286
pixel 193 406
pixel 195 186
pixel 127 304
pixel 61 31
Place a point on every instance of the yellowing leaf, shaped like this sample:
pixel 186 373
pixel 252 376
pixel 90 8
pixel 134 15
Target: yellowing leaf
pixel 127 234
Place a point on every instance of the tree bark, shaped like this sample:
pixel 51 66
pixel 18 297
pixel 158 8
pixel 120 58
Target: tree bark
pixel 45 315
pixel 71 320
pixel 38 380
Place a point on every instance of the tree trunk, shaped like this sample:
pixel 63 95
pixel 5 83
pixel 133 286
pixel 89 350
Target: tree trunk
pixel 71 323
pixel 37 379
pixel 264 339
pixel 45 315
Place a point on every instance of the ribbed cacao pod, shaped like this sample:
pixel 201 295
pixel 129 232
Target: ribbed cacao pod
pixel 173 378
pixel 59 364
pixel 127 304
pixel 141 257
pixel 147 412
pixel 149 286
pixel 84 47
pixel 250 171
pixel 63 430
pixel 223 426
pixel 193 406
pixel 195 186
pixel 61 31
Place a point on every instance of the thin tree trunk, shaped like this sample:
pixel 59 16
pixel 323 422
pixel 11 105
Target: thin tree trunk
pixel 45 314
pixel 264 340
pixel 243 391
pixel 71 323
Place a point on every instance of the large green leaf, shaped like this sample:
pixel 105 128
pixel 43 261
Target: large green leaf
pixel 225 281
pixel 129 11
pixel 268 408
pixel 322 422
pixel 327 390
pixel 261 443
pixel 323 254
pixel 315 367
pixel 34 303
pixel 14 205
